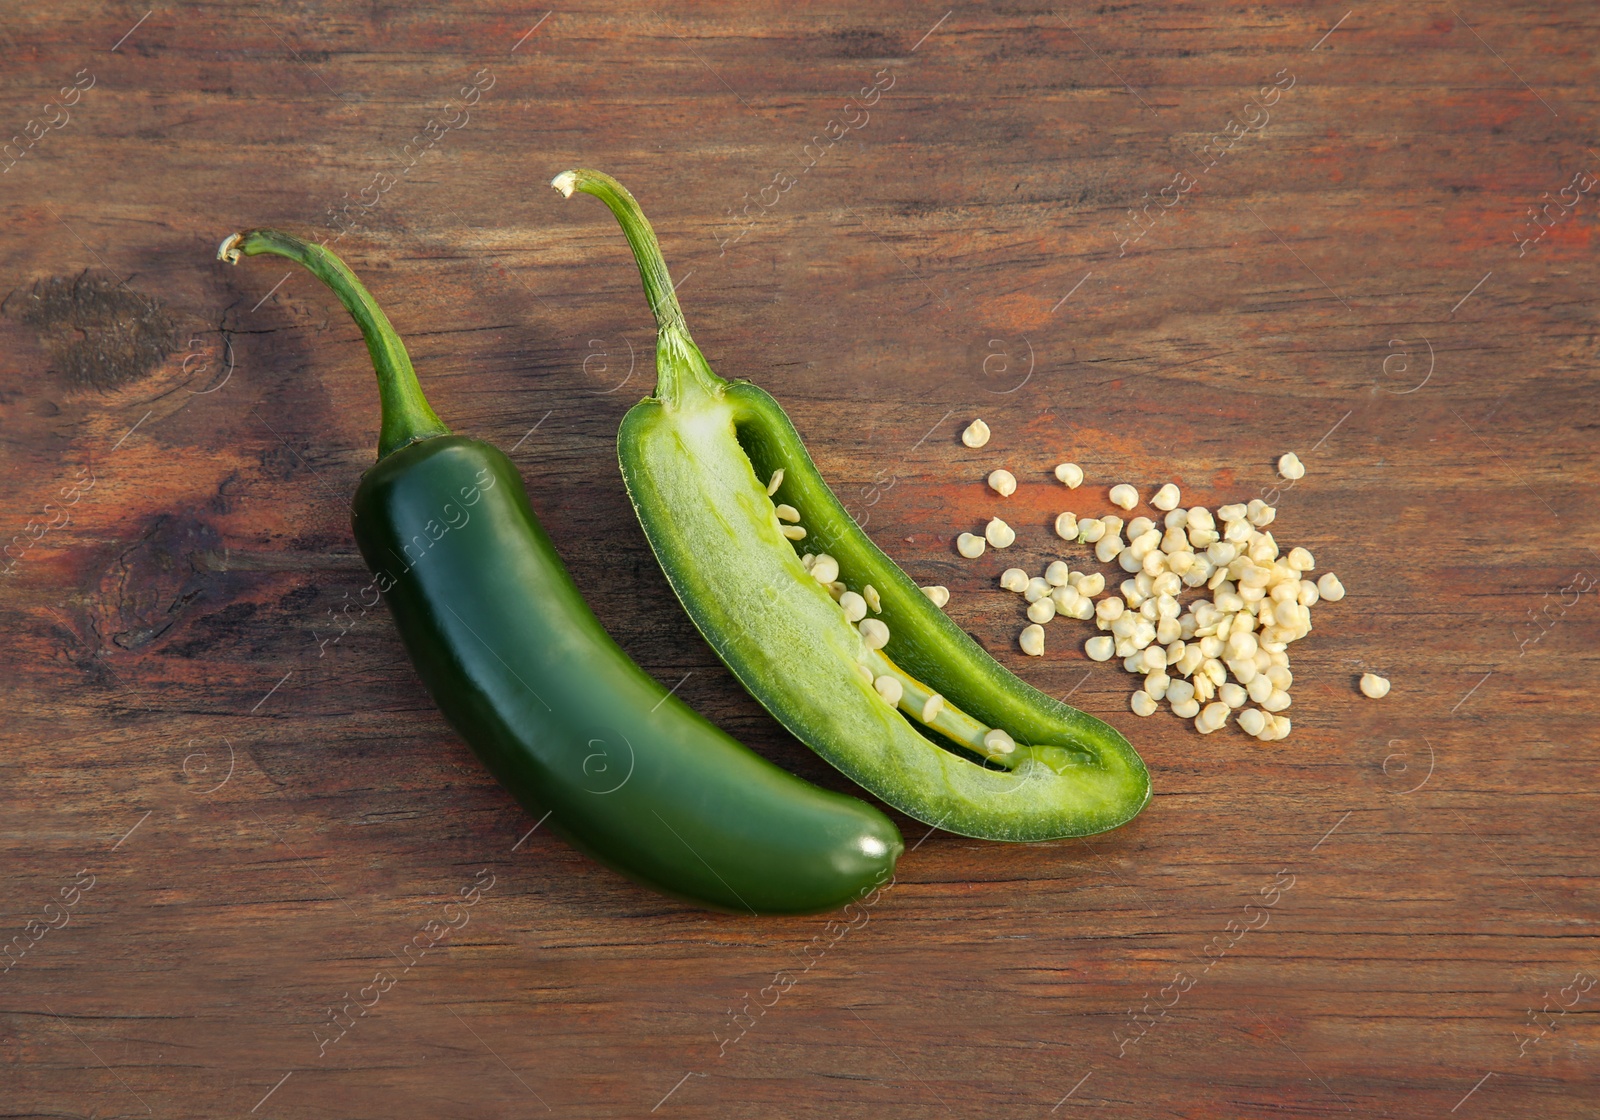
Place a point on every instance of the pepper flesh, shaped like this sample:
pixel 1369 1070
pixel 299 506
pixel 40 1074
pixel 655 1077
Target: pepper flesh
pixel 559 714
pixel 696 457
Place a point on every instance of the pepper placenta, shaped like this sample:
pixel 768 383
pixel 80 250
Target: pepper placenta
pixel 521 667
pixel 905 702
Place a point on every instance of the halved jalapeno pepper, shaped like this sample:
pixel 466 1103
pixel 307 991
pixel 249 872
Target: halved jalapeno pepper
pixel 904 702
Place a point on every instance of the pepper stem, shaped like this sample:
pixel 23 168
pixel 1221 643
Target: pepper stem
pixel 406 414
pixel 681 370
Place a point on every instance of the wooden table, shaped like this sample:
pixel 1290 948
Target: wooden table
pixel 205 729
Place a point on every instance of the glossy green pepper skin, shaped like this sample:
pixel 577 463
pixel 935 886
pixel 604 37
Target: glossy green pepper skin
pixel 560 715
pixel 700 459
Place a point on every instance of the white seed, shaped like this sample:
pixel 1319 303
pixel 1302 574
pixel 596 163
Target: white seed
pixel 1175 541
pixel 1259 688
pixel 1234 512
pixel 1237 531
pixel 1329 587
pixel 1124 496
pixel 937 594
pixel 807 560
pixel 1151 658
pixel 1186 709
pixel 976 434
pixel 775 482
pixel 1301 560
pixel 1179 691
pixel 1067 526
pixel 1241 643
pixel 1090 530
pixel 1374 686
pixel 788 513
pixel 1291 467
pixel 1252 720
pixel 1032 640
pixel 890 689
pixel 855 607
pixel 1101 648
pixel 870 594
pixel 1232 695
pixel 1280 677
pixel 1003 482
pixel 1109 609
pixel 932 707
pixel 865 672
pixel 1038 587
pixel 1142 704
pixel 1264 550
pixel 1260 514
pixel 1113 524
pixel 999 742
pixel 1014 579
pixel 1156 682
pixel 1091 585
pixel 1109 548
pixel 1069 473
pixel 1166 498
pixel 971 546
pixel 1277 700
pixel 825 569
pixel 1043 610
pixel 793 532
pixel 1308 595
pixel 999 534
pixel 1280 727
pixel 1168 630
pixel 874 633
pixel 1056 574
pixel 837 589
pixel 1217 714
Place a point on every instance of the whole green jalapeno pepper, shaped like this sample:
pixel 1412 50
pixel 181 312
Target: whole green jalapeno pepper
pixel 521 667
pixel 904 702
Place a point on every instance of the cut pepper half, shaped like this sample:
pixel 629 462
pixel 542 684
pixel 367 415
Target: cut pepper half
pixel 707 463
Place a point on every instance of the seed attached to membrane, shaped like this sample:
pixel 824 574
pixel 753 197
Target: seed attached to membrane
pixel 890 689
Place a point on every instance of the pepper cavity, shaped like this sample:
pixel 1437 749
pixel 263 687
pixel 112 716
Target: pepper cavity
pixel 893 684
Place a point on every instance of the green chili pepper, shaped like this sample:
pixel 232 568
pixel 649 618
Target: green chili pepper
pixel 524 671
pixel 929 722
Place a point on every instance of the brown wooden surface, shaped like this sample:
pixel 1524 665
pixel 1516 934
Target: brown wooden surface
pixel 270 816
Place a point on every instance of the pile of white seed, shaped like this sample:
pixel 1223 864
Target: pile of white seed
pixel 1208 658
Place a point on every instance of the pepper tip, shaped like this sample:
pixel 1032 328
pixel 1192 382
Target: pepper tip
pixel 229 249
pixel 566 183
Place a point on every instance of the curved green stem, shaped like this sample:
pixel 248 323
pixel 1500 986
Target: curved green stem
pixel 681 370
pixel 407 416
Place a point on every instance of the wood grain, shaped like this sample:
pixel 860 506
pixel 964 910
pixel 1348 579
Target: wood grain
pixel 270 814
